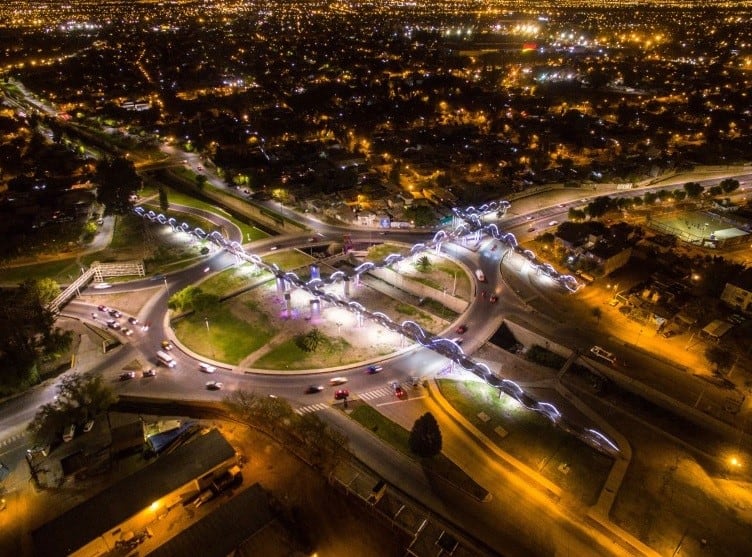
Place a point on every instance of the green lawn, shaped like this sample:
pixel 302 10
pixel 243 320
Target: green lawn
pixel 377 253
pixel 397 436
pixel 289 259
pixel 232 279
pixel 63 271
pixel 288 355
pixel 531 438
pixel 229 338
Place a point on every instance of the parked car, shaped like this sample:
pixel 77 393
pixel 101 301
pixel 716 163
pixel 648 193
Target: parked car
pixel 370 370
pixel 668 333
pixel 214 385
pixel 88 426
pixel 68 433
pixel 341 394
pixel 493 298
pixel 151 372
pixel 128 375
pixel 206 368
pixel 338 381
pixel 313 389
pixel 126 331
pixel 133 321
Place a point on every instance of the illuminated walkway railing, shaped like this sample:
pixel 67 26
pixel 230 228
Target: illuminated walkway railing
pixel 444 346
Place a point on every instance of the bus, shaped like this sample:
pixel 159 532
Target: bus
pixel 165 359
pixel 599 352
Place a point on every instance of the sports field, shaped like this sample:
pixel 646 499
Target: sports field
pixel 698 227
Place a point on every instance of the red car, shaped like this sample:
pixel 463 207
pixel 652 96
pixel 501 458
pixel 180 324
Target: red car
pixel 341 394
pixel 461 329
pixel 493 299
pixel 399 392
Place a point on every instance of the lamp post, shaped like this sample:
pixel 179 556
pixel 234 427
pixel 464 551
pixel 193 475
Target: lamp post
pixel 208 336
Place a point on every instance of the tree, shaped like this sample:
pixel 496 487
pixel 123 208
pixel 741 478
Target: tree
pixel 201 182
pixel 164 202
pixel 81 397
pixel 693 189
pixel 423 264
pixel 45 289
pixel 729 184
pixel 117 181
pixel 310 341
pixel 425 437
pixel 597 312
pixel 722 359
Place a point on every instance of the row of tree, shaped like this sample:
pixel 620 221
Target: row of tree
pixel 691 190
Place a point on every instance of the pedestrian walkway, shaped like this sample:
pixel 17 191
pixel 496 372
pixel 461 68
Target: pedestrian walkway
pixel 11 439
pixel 374 394
pixel 311 408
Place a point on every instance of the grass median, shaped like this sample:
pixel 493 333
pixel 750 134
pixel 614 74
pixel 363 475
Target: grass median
pixel 397 436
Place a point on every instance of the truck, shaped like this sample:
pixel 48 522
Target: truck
pixel 165 359
pixel 480 275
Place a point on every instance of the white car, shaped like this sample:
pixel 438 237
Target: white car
pixel 206 368
pixel 88 426
pixel 338 380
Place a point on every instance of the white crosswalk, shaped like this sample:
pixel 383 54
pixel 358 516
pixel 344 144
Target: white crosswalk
pixel 368 395
pixel 374 394
pixel 10 440
pixel 311 408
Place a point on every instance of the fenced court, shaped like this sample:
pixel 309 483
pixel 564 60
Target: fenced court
pixel 702 228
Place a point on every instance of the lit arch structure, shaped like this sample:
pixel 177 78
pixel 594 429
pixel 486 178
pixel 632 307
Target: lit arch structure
pixel 410 329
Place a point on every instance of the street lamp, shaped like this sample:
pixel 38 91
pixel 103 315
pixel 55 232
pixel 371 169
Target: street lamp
pixel 208 336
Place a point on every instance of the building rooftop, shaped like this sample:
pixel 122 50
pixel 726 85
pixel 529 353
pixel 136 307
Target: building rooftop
pixel 222 531
pixel 81 524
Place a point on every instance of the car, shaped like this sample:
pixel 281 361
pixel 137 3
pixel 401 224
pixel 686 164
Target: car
pixel 461 329
pixel 529 217
pixel 206 368
pixel 274 248
pixel 531 229
pixel 214 385
pixel 613 302
pixel 338 380
pixel 127 375
pixel 167 345
pixel 493 298
pixel 133 321
pixel 341 394
pixel 668 333
pixel 102 285
pixel 88 426
pixel 126 331
pixel 458 340
pixel 151 372
pixel 104 309
pixel 311 240
pixel 115 313
pixel 370 370
pixel 112 324
pixel 199 168
pixel 68 433
pixel 553 223
pixel 313 389
pixel 399 392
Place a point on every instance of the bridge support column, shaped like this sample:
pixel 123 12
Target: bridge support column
pixel 315 306
pixel 281 286
pixel 288 305
pixel 346 287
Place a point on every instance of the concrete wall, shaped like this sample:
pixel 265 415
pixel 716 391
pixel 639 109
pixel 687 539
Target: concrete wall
pixel 420 290
pixel 529 338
